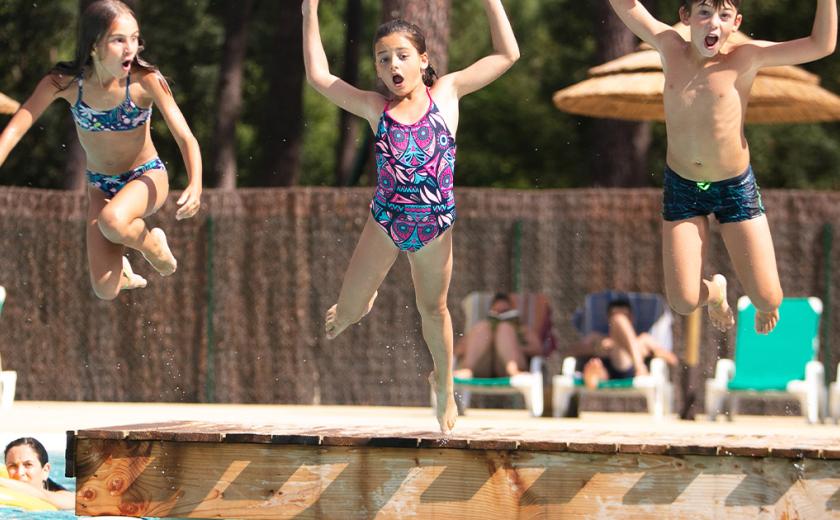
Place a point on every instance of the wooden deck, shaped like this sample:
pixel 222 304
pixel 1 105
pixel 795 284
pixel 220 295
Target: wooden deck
pixel 300 466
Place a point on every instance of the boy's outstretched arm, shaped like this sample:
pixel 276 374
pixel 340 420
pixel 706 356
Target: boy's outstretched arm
pixel 819 44
pixel 641 22
pixel 505 53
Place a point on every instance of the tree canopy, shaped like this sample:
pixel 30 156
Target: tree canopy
pixel 510 134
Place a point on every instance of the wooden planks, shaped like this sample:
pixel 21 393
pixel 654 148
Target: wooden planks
pixel 208 470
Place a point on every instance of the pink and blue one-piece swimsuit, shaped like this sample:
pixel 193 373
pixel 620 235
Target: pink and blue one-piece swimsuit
pixel 414 201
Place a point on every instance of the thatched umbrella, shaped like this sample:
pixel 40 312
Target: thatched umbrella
pixel 8 105
pixel 630 87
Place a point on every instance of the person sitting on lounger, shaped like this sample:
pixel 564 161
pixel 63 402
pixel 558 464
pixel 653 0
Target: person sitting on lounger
pixel 497 346
pixel 622 353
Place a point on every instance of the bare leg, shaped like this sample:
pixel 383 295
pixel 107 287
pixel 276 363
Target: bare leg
pixel 104 256
pixel 508 350
pixel 373 257
pixel 478 341
pixel 431 271
pixel 683 251
pixel 628 352
pixel 750 247
pixel 650 347
pixel 121 220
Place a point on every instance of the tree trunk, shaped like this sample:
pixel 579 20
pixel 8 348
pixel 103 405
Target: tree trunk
pixel 622 145
pixel 282 129
pixel 222 172
pixel 348 139
pixel 432 16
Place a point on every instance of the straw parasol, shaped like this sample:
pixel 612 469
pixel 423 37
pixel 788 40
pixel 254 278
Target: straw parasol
pixel 630 87
pixel 8 105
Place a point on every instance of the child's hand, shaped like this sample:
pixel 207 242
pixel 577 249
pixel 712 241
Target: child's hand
pixel 189 201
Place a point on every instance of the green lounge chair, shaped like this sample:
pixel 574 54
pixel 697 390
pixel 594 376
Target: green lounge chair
pixel 782 364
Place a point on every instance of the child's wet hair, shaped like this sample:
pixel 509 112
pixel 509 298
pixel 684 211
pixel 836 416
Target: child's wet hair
pixel 94 23
pixel 716 4
pixel 415 36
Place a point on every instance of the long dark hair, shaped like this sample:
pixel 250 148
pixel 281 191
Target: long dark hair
pixel 93 25
pixel 41 453
pixel 415 36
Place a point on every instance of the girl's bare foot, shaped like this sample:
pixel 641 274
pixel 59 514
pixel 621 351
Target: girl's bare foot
pixel 163 262
pixel 445 407
pixel 335 324
pixel 765 322
pixel 130 279
pixel 719 311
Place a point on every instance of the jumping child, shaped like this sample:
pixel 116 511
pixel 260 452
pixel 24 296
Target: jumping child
pixel 110 89
pixel 707 87
pixel 413 207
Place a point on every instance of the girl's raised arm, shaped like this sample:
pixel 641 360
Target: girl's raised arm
pixel 29 112
pixel 190 200
pixel 505 53
pixel 365 104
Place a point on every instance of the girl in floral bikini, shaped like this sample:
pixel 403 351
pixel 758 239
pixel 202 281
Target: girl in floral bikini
pixel 127 179
pixel 413 207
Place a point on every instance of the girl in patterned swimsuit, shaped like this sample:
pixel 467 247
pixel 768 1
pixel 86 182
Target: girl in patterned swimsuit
pixel 413 207
pixel 127 180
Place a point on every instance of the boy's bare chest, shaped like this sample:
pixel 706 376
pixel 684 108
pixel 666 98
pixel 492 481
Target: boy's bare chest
pixel 690 88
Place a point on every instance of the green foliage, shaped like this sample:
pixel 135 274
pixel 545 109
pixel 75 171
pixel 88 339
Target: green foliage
pixel 33 37
pixel 510 134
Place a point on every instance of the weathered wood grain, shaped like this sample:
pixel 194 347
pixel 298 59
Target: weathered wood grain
pixel 276 472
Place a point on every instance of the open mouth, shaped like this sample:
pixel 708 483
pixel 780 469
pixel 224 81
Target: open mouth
pixel 397 79
pixel 711 40
pixel 126 64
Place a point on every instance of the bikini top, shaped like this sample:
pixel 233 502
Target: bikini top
pixel 125 116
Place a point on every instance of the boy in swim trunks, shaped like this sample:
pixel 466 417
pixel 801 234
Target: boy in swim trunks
pixel 707 86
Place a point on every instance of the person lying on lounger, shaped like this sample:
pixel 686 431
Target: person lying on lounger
pixel 622 353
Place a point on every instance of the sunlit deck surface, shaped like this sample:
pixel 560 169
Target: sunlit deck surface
pixel 249 461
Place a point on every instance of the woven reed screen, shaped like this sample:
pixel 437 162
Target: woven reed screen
pixel 241 320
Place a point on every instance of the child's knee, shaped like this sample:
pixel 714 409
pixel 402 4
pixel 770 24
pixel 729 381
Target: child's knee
pixel 112 219
pixel 683 305
pixel 432 309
